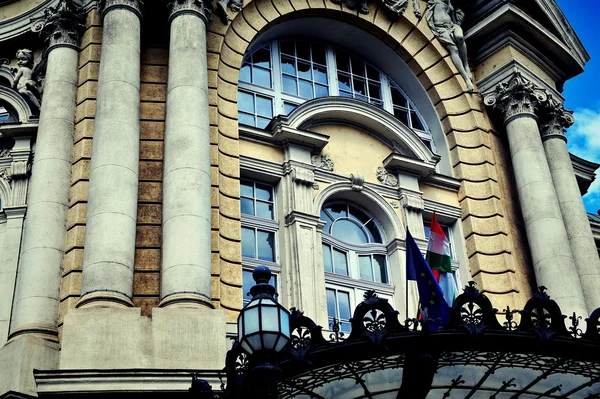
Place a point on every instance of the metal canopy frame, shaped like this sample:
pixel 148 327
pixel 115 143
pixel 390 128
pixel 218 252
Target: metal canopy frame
pixel 473 356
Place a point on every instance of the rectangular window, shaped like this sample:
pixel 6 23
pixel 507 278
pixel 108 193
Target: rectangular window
pixel 254 109
pixel 256 199
pixel 339 308
pixel 335 261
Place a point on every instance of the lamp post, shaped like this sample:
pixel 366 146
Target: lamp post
pixel 263 332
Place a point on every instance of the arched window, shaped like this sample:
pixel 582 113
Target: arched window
pixel 7 113
pixel 354 258
pixel 277 77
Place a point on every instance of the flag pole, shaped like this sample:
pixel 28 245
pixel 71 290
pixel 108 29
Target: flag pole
pixel 406 303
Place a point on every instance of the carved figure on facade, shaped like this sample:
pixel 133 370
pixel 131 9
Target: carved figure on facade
pixel 223 5
pixel 396 7
pixel 326 163
pixel 445 22
pixel 200 7
pixel 357 182
pixel 27 78
pixel 386 177
pixel 61 25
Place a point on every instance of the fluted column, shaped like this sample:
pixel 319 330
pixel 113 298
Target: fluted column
pixel 554 119
pixel 518 102
pixel 112 205
pixel 186 250
pixel 35 306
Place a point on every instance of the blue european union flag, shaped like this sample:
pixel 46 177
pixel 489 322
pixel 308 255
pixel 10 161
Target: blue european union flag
pixel 430 294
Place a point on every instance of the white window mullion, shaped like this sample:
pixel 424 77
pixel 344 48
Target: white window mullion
pixel 332 72
pixel 353 265
pixel 386 94
pixel 276 63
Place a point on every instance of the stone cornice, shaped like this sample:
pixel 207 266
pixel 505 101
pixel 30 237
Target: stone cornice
pixel 515 97
pixel 132 5
pixel 201 8
pixel 554 120
pixel 62 25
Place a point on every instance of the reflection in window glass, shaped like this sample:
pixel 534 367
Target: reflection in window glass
pixel 258 244
pixel 338 307
pixel 256 199
pixel 248 242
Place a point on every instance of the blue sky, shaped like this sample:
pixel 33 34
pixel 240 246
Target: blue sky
pixel 582 93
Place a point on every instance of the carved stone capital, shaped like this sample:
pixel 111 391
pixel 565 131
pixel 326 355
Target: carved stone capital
pixel 412 202
pixel 515 97
pixel 61 25
pixel 201 8
pixel 301 176
pixel 554 119
pixel 134 5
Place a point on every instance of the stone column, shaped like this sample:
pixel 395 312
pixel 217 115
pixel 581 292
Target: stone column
pixel 554 119
pixel 518 101
pixel 35 306
pixel 108 260
pixel 186 250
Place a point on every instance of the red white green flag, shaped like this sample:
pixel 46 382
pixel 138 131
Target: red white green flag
pixel 439 258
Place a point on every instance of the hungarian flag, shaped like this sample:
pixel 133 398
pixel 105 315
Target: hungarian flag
pixel 439 259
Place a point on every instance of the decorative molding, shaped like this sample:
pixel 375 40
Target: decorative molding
pixel 61 25
pixel 133 5
pixel 201 8
pixel 315 186
pixel 386 177
pixel 441 209
pixel 325 163
pixel 412 201
pixel 395 204
pixel 516 97
pixel 21 24
pixel 357 182
pixel 554 119
pixel 302 176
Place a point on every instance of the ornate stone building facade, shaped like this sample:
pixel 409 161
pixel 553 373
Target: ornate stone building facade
pixel 153 153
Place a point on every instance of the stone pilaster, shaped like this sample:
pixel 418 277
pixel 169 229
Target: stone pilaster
pixel 518 102
pixel 553 121
pixel 186 251
pixel 413 205
pixel 35 307
pixel 107 278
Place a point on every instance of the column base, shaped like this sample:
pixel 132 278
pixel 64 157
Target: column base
pixel 185 300
pixel 45 332
pixel 105 299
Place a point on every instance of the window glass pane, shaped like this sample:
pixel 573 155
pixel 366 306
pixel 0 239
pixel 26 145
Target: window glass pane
pixel 358 215
pixel 340 262
pixel 372 73
pixel 328 220
pixel 366 270
pixel 246 119
pixel 331 304
pixel 261 77
pixel 264 192
pixel 248 282
pixel 306 89
pixel 288 65
pixel 358 67
pixel 288 107
pixel 374 91
pixel 338 210
pixel 247 206
pixel 264 210
pixel 262 122
pixel 397 98
pixel 248 243
pixel 303 50
pixel 373 231
pixel 349 231
pixel 262 57
pixel 318 53
pixel 341 59
pixel 344 82
pixel 245 74
pixel 344 304
pixel 289 85
pixel 304 70
pixel 287 47
pixel 245 102
pixel 380 269
pixel 264 107
pixel 359 88
pixel 416 122
pixel 321 91
pixel 327 262
pixel 402 115
pixel 247 189
pixel 320 74
pixel 266 246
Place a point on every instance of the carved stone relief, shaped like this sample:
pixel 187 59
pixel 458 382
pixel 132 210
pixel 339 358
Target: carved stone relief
pixel 199 7
pixel 223 5
pixel 28 81
pixel 554 119
pixel 326 163
pixel 357 182
pixel 61 25
pixel 386 177
pixel 412 202
pixel 396 7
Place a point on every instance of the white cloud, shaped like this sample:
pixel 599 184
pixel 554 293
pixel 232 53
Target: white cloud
pixel 584 141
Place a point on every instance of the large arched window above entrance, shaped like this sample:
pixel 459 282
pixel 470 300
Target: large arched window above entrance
pixel 280 75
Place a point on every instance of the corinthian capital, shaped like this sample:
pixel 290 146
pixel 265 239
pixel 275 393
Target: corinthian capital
pixel 201 8
pixel 517 96
pixel 62 25
pixel 133 5
pixel 554 119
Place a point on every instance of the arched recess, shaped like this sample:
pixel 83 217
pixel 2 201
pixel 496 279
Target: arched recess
pixel 461 117
pixel 18 103
pixel 368 199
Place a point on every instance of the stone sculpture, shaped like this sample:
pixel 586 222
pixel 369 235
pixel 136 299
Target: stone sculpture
pixel 25 79
pixel 445 22
pixel 397 7
pixel 234 5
